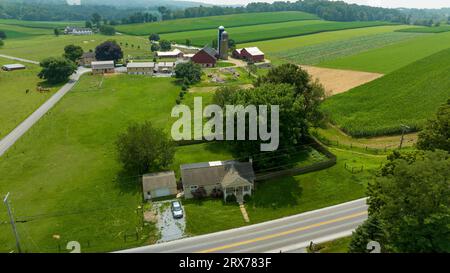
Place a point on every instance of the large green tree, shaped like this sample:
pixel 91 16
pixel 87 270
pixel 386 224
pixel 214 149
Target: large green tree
pixel 165 45
pixel 436 134
pixel 308 90
pixel 73 52
pixel 2 35
pixel 56 70
pixel 411 201
pixel 189 72
pixel 107 30
pixel 144 148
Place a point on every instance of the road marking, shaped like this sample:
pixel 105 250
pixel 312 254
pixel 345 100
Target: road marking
pixel 287 232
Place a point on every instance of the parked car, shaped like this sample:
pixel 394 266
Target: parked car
pixel 177 210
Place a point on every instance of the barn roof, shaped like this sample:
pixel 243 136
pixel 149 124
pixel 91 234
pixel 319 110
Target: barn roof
pixel 102 65
pixel 254 51
pixel 141 65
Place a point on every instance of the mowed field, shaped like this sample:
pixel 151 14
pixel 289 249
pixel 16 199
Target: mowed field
pixel 16 31
pixel 41 24
pixel 262 32
pixel 212 22
pixel 63 174
pixel 15 103
pixel 439 29
pixel 408 96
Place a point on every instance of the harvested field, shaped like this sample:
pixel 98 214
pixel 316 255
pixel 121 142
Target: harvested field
pixel 337 81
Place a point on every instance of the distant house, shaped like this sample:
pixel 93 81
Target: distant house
pixel 206 57
pixel 102 67
pixel 77 31
pixel 86 59
pixel 232 177
pixel 250 54
pixel 165 67
pixel 176 53
pixel 12 67
pixel 140 68
pixel 155 185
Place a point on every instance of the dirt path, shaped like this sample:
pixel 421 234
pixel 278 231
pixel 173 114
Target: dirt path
pixel 337 81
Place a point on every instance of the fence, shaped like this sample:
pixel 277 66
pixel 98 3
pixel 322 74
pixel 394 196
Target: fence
pixel 302 170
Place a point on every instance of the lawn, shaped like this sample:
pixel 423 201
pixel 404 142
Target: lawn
pixel 336 246
pixel 13 31
pixel 390 58
pixel 246 34
pixel 409 96
pixel 272 47
pixel 41 24
pixel 315 54
pixel 63 174
pixel 213 22
pixel 15 103
pixel 42 46
pixel 288 196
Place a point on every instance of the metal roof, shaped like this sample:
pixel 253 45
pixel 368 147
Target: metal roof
pixel 172 53
pixel 254 51
pixel 13 66
pixel 141 65
pixel 102 65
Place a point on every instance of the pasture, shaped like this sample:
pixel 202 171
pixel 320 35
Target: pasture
pixel 392 57
pixel 16 103
pixel 407 96
pixel 212 22
pixel 255 33
pixel 41 24
pixel 14 31
pixel 439 29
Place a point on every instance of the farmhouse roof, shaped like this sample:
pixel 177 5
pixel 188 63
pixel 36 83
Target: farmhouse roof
pixel 88 55
pixel 217 172
pixel 102 65
pixel 159 180
pixel 141 65
pixel 254 51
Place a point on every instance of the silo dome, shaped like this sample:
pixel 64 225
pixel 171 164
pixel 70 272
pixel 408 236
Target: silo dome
pixel 224 35
pixel 221 27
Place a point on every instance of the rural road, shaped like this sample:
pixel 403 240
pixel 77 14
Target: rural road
pixel 20 130
pixel 18 59
pixel 289 234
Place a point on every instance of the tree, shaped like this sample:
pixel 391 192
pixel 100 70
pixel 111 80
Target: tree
pixel 2 35
pixel 108 50
pixel 413 202
pixel 107 30
pixel 154 47
pixel 310 91
pixel 436 134
pixel 293 126
pixel 144 148
pixel 96 19
pixel 73 52
pixel 56 32
pixel 252 69
pixel 188 42
pixel 165 45
pixel 154 37
pixel 214 43
pixel 56 70
pixel 88 24
pixel 2 43
pixel 190 72
pixel 370 230
pixel 231 44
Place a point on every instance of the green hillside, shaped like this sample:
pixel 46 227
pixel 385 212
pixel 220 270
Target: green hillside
pixel 439 29
pixel 213 22
pixel 408 96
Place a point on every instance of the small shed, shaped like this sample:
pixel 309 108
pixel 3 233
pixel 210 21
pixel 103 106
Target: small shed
pixel 12 67
pixel 155 185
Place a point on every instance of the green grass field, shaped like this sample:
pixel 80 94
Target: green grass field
pixel 315 54
pixel 13 31
pixel 439 29
pixel 213 22
pixel 63 175
pixel 272 47
pixel 41 24
pixel 15 103
pixel 288 196
pixel 408 96
pixel 390 58
pixel 246 34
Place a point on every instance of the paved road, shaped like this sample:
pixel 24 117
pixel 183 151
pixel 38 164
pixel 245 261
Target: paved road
pixel 20 130
pixel 18 59
pixel 290 234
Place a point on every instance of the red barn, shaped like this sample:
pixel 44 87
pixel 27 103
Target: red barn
pixel 206 57
pixel 252 54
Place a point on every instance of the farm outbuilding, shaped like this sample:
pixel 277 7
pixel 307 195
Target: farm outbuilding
pixel 176 53
pixel 155 185
pixel 206 57
pixel 250 54
pixel 140 68
pixel 102 67
pixel 86 59
pixel 12 67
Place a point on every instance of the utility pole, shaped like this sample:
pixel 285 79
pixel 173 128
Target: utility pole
pixel 13 224
pixel 405 128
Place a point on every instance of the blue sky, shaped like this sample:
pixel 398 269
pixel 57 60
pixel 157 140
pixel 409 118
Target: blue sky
pixel 377 3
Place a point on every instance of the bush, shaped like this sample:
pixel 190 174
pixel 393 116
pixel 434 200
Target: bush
pixel 231 198
pixel 199 193
pixel 216 193
pixel 247 198
pixel 181 95
pixel 184 87
pixel 178 101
